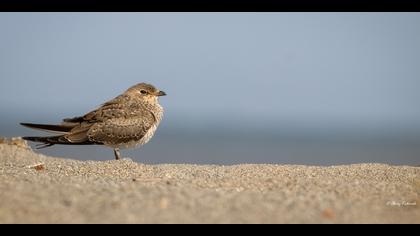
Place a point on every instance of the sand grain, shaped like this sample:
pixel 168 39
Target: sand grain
pixel 40 189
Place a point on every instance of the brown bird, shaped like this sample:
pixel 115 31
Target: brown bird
pixel 126 121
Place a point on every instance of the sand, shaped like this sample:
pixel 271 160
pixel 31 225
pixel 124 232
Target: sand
pixel 39 189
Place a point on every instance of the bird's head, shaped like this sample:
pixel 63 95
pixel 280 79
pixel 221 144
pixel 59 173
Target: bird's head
pixel 146 92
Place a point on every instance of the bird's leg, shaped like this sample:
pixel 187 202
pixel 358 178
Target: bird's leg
pixel 117 153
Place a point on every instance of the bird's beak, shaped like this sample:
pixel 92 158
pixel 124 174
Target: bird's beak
pixel 161 93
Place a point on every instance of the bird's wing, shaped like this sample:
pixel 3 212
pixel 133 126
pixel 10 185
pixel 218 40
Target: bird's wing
pixel 116 121
pixel 82 124
pixel 111 109
pixel 122 129
pixel 79 134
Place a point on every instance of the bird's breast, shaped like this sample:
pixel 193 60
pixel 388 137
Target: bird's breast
pixel 135 142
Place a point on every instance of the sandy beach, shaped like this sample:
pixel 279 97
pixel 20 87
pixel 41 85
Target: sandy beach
pixel 39 189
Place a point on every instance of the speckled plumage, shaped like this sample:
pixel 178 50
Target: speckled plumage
pixel 126 121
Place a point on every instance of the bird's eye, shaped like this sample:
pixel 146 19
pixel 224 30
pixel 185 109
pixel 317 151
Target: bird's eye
pixel 143 91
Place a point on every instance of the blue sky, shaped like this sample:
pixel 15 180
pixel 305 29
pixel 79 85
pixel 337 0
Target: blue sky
pixel 264 70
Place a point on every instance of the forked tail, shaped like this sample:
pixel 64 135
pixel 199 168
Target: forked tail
pixel 49 128
pixel 65 137
pixel 47 141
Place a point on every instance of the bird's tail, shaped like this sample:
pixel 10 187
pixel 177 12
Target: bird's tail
pixel 65 137
pixel 47 141
pixel 49 128
pixel 51 140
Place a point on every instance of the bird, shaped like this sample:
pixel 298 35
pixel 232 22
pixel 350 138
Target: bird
pixel 127 121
